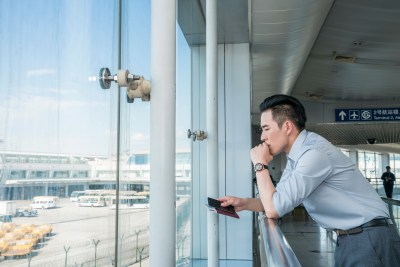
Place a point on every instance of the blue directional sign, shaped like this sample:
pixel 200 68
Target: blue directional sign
pixel 364 115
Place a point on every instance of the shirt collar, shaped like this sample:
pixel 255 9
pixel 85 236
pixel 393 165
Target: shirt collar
pixel 295 150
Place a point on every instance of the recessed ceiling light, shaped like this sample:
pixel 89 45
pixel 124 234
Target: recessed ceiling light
pixel 343 58
pixel 358 43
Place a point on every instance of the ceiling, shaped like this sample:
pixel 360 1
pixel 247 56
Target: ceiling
pixel 343 52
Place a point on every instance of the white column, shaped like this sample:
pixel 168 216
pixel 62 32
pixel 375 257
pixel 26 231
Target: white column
pixel 162 133
pixel 212 129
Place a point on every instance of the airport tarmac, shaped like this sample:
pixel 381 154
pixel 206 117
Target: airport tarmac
pixel 81 232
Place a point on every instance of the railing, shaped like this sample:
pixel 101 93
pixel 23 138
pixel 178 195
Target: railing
pixel 377 184
pixel 274 249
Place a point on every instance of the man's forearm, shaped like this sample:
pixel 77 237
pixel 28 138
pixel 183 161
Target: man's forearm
pixel 253 204
pixel 267 190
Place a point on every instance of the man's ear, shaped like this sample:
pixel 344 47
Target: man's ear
pixel 288 127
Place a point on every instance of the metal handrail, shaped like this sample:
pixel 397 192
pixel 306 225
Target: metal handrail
pixel 274 246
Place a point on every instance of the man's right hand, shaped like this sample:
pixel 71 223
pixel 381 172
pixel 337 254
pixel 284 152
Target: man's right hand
pixel 232 201
pixel 261 154
pixel 252 204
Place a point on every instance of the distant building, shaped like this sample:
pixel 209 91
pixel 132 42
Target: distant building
pixel 25 175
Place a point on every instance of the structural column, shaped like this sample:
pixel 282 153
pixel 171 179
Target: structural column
pixel 162 133
pixel 212 129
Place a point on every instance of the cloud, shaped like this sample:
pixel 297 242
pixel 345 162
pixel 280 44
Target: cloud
pixel 40 72
pixel 34 107
pixel 140 138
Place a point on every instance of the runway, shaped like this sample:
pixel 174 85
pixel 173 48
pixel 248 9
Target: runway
pixel 78 231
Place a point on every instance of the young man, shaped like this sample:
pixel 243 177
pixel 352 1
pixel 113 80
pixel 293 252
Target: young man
pixel 328 183
pixel 388 182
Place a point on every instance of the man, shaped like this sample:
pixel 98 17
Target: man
pixel 388 182
pixel 328 183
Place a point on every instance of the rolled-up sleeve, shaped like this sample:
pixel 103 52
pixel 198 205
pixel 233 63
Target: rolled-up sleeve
pixel 300 179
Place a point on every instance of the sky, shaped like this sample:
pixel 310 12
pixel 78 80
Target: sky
pixel 51 50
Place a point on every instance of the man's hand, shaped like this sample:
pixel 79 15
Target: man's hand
pixel 236 202
pixel 261 154
pixel 252 204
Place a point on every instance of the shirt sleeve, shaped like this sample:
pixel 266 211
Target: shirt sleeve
pixel 298 182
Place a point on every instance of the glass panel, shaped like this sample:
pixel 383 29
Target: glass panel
pixel 58 135
pixel 57 132
pixel 362 162
pixel 134 167
pixel 183 148
pixel 394 163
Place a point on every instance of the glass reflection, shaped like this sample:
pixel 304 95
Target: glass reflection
pixel 58 136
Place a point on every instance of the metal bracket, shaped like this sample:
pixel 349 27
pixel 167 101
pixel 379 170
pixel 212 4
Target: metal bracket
pixel 199 135
pixel 137 86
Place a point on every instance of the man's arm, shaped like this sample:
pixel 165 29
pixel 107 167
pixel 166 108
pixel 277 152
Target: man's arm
pixel 261 154
pixel 251 204
pixel 267 190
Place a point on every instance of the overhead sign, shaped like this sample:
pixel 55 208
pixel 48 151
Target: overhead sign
pixel 363 115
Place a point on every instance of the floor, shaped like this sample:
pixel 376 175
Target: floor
pixel 313 245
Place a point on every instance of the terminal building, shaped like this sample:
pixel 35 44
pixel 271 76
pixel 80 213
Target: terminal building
pixel 26 175
pixel 162 97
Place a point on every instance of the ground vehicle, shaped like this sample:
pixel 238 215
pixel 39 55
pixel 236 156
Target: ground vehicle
pixel 25 212
pixel 75 195
pixel 135 202
pixel 8 207
pixel 6 218
pixel 44 202
pixel 91 201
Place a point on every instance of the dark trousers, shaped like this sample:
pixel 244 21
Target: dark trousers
pixel 377 246
pixel 388 188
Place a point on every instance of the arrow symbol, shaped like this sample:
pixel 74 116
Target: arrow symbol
pixel 342 114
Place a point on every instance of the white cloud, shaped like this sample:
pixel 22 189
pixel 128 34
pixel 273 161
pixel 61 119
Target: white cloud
pixel 140 138
pixel 40 72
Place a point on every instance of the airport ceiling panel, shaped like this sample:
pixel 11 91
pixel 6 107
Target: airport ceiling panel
pixel 356 59
pixel 380 137
pixel 282 35
pixel 356 55
pixel 343 51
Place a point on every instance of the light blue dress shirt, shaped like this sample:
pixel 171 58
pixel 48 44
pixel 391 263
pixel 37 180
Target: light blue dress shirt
pixel 330 186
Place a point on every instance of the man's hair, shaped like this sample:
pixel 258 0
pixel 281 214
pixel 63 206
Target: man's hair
pixel 388 167
pixel 285 107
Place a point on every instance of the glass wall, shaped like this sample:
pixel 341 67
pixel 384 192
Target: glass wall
pixel 370 164
pixel 60 171
pixel 394 163
pixel 183 147
pixel 58 132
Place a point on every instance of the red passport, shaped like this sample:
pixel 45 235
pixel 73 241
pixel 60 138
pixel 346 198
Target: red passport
pixel 215 205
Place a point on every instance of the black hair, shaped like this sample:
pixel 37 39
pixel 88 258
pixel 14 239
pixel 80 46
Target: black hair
pixel 285 107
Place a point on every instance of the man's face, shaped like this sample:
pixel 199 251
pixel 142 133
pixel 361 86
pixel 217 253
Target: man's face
pixel 276 138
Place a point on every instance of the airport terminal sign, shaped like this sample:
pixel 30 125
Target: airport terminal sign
pixel 364 115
